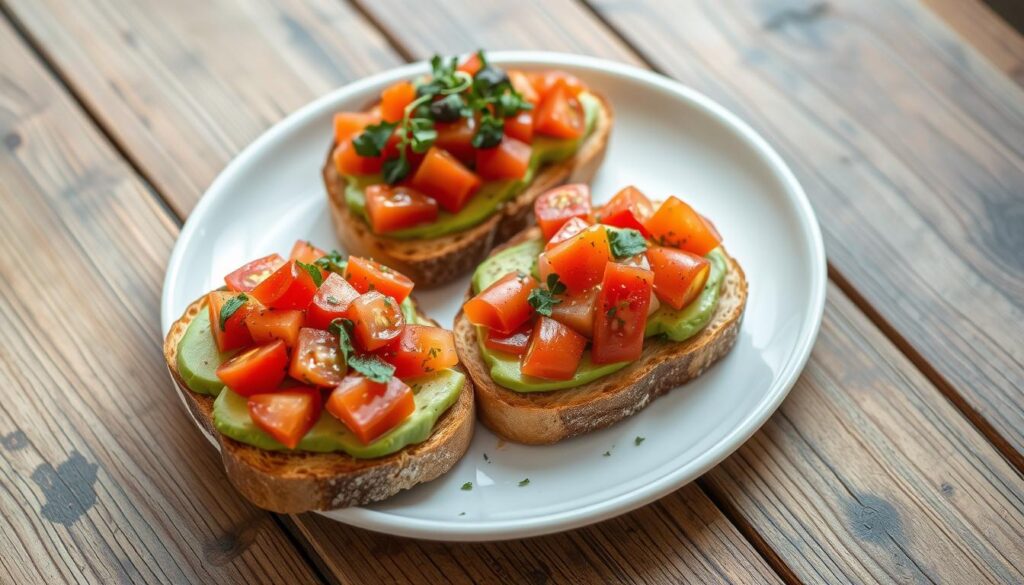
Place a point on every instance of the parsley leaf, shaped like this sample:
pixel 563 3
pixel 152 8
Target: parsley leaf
pixel 313 271
pixel 490 131
pixel 372 367
pixel 555 285
pixel 333 262
pixel 373 139
pixel 467 486
pixel 626 242
pixel 639 440
pixel 525 482
pixel 396 169
pixel 229 308
pixel 543 299
pixel 341 328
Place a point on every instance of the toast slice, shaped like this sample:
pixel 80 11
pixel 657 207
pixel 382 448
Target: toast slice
pixel 291 482
pixel 437 261
pixel 547 417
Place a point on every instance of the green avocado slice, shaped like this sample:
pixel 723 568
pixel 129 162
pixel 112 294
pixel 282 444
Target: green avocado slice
pixel 198 357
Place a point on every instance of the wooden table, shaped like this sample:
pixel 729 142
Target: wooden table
pixel 897 457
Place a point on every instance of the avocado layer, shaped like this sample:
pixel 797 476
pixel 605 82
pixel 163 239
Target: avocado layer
pixel 676 325
pixel 486 201
pixel 198 357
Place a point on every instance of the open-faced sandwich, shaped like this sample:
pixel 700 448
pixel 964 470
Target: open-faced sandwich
pixel 581 321
pixel 444 166
pixel 324 384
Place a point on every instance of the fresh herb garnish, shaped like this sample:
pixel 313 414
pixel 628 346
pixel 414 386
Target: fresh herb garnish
pixel 371 366
pixel 373 139
pixel 639 440
pixel 467 486
pixel 229 308
pixel 313 271
pixel 341 328
pixel 626 242
pixel 332 262
pixel 486 458
pixel 525 482
pixel 607 454
pixel 543 299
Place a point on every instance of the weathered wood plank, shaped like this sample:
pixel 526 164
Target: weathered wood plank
pixel 986 31
pixel 103 481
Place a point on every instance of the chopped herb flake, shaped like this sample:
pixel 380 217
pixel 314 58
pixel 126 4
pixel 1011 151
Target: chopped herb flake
pixel 626 242
pixel 467 486
pixel 525 482
pixel 639 440
pixel 372 367
pixel 229 308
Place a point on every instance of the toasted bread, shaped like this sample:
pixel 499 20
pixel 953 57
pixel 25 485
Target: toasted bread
pixel 290 482
pixel 439 260
pixel 547 417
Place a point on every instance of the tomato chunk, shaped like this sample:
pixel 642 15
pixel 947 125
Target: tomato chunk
pixel 444 178
pixel 508 160
pixel 288 415
pixel 349 124
pixel 233 334
pixel 504 305
pixel 628 209
pixel 369 409
pixel 246 278
pixel 317 359
pixel 289 287
pixel 545 81
pixel 676 224
pixel 419 350
pixel 377 320
pixel 577 311
pixel 267 325
pixel 520 126
pixel 557 206
pixel 256 370
pixel 521 83
pixel 554 351
pixel 395 208
pixel 621 316
pixel 568 230
pixel 304 251
pixel 457 138
pixel 579 261
pixel 330 302
pixel 348 161
pixel 394 99
pixel 679 276
pixel 366 275
pixel 471 64
pixel 514 343
pixel 559 114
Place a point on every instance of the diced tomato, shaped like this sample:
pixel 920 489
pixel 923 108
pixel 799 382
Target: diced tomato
pixel 289 287
pixel 394 99
pixel 377 320
pixel 350 124
pixel 556 206
pixel 330 302
pixel 579 261
pixel 628 209
pixel 317 359
pixel 520 126
pixel 514 343
pixel 348 161
pixel 621 316
pixel 559 114
pixel 679 276
pixel 554 351
pixel 577 311
pixel 504 305
pixel 521 83
pixel 366 275
pixel 676 224
pixel 304 251
pixel 266 325
pixel 369 409
pixel 256 370
pixel 246 278
pixel 568 230
pixel 234 333
pixel 288 415
pixel 444 178
pixel 508 160
pixel 395 208
pixel 419 350
pixel 544 82
pixel 471 64
pixel 457 138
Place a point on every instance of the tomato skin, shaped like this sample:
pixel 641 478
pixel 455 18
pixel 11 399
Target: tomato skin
pixel 350 124
pixel 287 415
pixel 267 325
pixel 520 126
pixel 676 224
pixel 377 320
pixel 621 316
pixel 559 114
pixel 246 277
pixel 330 302
pixel 629 208
pixel 394 99
pixel 504 305
pixel 508 160
pixel 348 161
pixel 679 276
pixel 471 64
pixel 304 251
pixel 369 409
pixel 444 178
pixel 544 82
pixel 256 370
pixel 234 334
pixel 366 275
pixel 554 351
pixel 557 206
pixel 580 261
pixel 398 207
pixel 577 311
pixel 514 343
pixel 521 83
pixel 569 229
pixel 317 359
pixel 420 350
pixel 457 138
pixel 289 287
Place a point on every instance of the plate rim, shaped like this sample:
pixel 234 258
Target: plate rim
pixel 491 530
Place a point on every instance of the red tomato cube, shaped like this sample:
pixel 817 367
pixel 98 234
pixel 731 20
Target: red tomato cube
pixel 369 409
pixel 554 351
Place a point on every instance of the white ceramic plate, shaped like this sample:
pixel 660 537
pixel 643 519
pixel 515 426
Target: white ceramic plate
pixel 667 139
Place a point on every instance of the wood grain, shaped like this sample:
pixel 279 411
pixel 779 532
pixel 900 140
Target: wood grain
pixel 101 480
pixel 986 31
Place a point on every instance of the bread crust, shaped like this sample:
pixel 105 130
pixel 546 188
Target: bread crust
pixel 288 482
pixel 438 261
pixel 548 417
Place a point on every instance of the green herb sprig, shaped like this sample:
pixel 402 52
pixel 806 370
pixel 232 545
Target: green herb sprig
pixel 230 307
pixel 544 299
